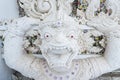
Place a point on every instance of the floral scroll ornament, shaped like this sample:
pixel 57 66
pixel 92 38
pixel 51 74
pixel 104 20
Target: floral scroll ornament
pixel 37 8
pixel 41 9
pixel 58 38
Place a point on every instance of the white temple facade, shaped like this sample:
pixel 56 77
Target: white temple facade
pixel 59 39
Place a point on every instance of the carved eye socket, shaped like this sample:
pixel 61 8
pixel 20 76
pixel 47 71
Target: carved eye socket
pixel 47 35
pixel 72 35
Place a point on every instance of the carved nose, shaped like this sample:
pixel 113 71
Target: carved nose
pixel 60 38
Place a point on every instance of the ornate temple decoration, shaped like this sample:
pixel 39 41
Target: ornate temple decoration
pixel 94 42
pixel 41 9
pixel 32 9
pixel 56 40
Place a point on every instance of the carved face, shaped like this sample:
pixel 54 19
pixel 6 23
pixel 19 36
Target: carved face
pixel 59 45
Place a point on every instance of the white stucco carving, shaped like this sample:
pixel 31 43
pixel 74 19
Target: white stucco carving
pixel 59 38
pixel 42 9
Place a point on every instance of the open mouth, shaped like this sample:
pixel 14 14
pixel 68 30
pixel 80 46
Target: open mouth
pixel 59 58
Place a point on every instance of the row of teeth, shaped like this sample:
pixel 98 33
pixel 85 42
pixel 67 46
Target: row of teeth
pixel 59 48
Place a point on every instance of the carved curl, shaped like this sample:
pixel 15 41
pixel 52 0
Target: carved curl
pixel 39 9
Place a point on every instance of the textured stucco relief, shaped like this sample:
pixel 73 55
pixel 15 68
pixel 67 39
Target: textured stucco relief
pixel 66 40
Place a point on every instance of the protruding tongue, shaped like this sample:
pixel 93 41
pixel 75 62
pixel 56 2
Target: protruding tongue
pixel 59 64
pixel 60 68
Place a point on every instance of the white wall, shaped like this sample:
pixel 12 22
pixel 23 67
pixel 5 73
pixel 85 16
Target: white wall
pixel 8 10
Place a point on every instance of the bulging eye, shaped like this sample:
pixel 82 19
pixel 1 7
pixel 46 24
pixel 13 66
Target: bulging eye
pixel 47 35
pixel 72 35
